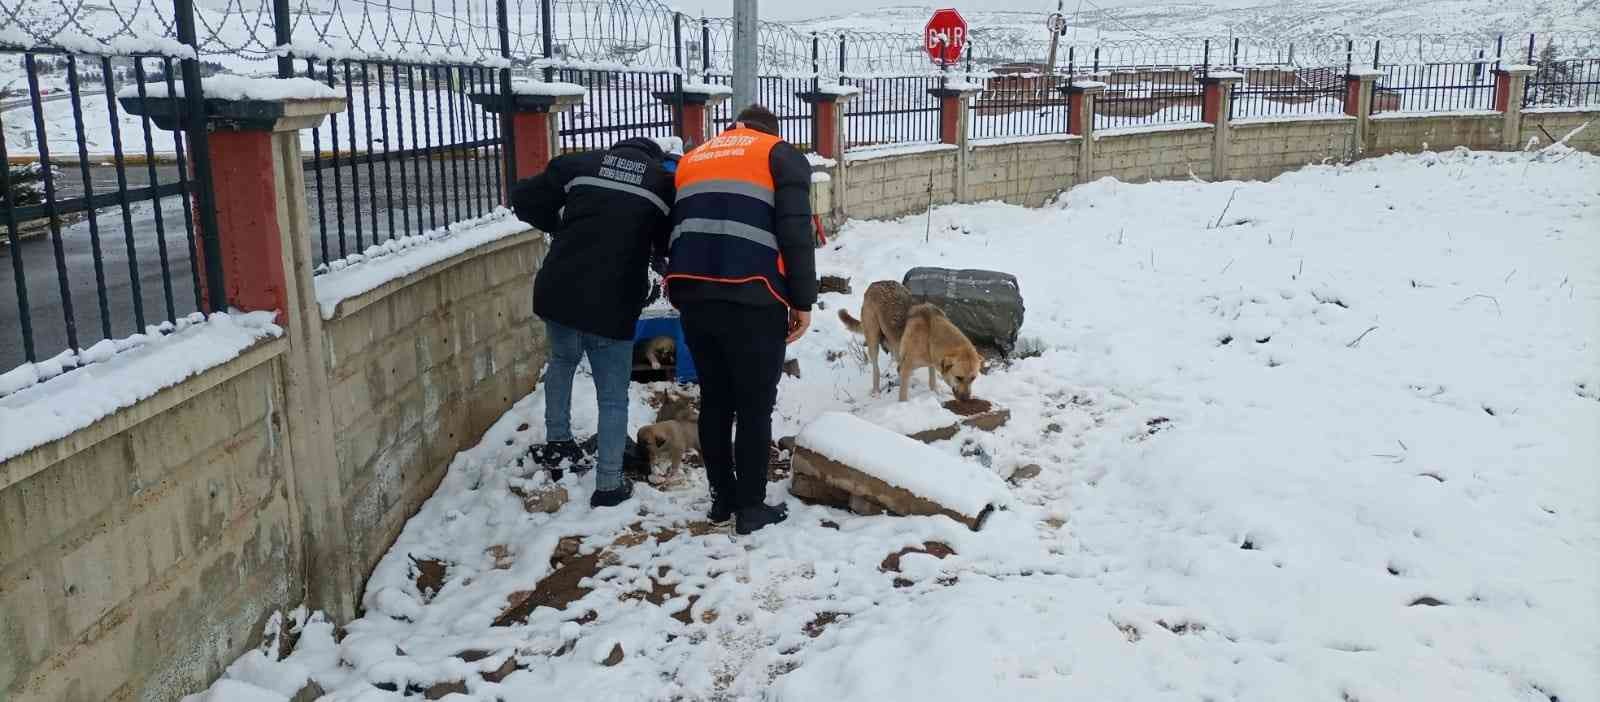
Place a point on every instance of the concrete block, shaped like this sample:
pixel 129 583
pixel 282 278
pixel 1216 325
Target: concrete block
pixel 63 500
pixel 29 608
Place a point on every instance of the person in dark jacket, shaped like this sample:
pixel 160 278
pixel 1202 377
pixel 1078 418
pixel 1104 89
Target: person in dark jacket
pixel 608 216
pixel 742 273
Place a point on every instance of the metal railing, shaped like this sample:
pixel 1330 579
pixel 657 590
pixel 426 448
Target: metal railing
pixel 109 226
pixel 1434 87
pixel 1279 92
pixel 892 111
pixel 1563 83
pixel 1024 103
pixel 100 221
pixel 412 152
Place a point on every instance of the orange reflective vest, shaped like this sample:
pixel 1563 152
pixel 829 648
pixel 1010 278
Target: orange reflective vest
pixel 724 221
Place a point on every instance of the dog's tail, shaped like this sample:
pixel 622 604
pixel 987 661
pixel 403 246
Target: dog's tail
pixel 850 323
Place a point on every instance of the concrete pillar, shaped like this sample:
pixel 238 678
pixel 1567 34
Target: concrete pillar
pixel 955 101
pixel 265 238
pixel 1216 109
pixel 1081 97
pixel 1358 104
pixel 827 108
pixel 698 99
pixel 1510 84
pixel 531 112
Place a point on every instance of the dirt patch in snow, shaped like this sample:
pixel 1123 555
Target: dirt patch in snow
pixel 821 622
pixel 430 576
pixel 891 562
pixel 557 590
pixel 968 408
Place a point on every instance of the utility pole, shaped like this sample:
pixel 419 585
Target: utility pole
pixel 746 34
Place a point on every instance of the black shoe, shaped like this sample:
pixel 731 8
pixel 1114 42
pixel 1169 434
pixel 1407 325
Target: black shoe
pixel 753 519
pixel 612 498
pixel 557 456
pixel 720 512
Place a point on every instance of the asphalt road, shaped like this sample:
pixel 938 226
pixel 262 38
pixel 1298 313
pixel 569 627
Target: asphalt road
pixel 41 268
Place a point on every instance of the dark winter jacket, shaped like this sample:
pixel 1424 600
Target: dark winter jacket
pixel 608 214
pixel 743 229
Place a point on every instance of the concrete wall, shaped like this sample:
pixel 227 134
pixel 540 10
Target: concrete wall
pixel 1550 124
pixel 420 368
pixel 1139 155
pixel 1261 149
pixel 1026 172
pixel 1404 133
pixel 142 554
pixel 896 185
pixel 144 557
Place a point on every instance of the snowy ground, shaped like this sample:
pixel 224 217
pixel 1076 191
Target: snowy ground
pixel 1334 443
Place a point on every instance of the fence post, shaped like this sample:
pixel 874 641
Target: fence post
pixel 816 87
pixel 508 136
pixel 547 38
pixel 678 105
pixel 827 108
pixel 1081 96
pixel 955 112
pixel 1358 97
pixel 263 244
pixel 195 133
pixel 692 104
pixel 1216 110
pixel 282 33
pixel 531 110
pixel 1510 85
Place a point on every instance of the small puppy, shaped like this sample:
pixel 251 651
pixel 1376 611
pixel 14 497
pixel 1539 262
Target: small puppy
pixel 658 352
pixel 670 439
pixel 919 336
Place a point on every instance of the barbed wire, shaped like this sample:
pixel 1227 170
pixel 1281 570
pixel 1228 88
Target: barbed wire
pixel 648 34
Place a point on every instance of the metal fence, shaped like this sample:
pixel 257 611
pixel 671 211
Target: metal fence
pixel 413 151
pixel 101 223
pixel 892 111
pixel 1278 92
pixel 109 226
pixel 1563 83
pixel 1024 103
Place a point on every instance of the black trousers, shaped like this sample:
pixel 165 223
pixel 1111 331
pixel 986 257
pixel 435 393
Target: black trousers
pixel 738 351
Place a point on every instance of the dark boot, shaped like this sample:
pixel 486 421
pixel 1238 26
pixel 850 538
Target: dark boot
pixel 753 519
pixel 557 456
pixel 612 498
pixel 721 511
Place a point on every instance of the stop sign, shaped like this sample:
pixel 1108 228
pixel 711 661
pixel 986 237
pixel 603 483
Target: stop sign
pixel 945 36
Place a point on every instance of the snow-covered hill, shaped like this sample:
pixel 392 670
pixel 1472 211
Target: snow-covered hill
pixel 1311 24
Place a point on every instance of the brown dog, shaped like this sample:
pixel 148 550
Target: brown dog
pixel 670 439
pixel 658 352
pixel 919 336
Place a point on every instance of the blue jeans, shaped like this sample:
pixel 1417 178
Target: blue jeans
pixel 611 361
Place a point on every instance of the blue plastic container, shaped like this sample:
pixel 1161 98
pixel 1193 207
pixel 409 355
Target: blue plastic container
pixel 667 324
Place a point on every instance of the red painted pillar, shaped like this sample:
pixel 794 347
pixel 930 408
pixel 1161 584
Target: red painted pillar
pixel 1353 86
pixel 531 132
pixel 1216 89
pixel 694 124
pixel 1081 95
pixel 1502 90
pixel 827 115
pixel 249 234
pixel 950 106
pixel 1211 101
pixel 1077 109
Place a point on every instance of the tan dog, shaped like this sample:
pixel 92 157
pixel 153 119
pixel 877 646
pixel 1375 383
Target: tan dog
pixel 670 438
pixel 919 336
pixel 658 352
